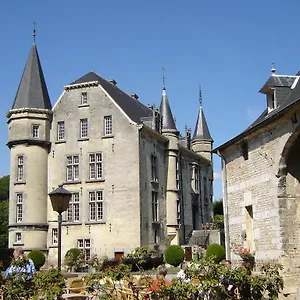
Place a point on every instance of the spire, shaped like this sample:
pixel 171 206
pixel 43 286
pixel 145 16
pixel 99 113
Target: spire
pixel 34 32
pixel 32 91
pixel 168 122
pixel 273 70
pixel 201 129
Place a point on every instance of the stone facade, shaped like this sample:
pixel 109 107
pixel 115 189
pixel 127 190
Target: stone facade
pixel 132 182
pixel 261 190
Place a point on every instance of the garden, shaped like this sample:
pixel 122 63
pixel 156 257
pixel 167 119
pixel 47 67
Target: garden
pixel 131 276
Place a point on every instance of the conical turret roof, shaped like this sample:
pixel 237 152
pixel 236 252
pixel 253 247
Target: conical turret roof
pixel 201 129
pixel 168 122
pixel 32 91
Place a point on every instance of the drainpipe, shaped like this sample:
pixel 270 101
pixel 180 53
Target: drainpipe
pixel 225 207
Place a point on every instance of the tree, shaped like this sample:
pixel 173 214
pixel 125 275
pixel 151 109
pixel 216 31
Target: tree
pixel 4 210
pixel 218 207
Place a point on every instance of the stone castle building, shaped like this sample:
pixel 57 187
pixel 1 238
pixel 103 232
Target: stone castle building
pixel 134 179
pixel 261 190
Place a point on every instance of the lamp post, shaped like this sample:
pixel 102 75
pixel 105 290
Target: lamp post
pixel 60 198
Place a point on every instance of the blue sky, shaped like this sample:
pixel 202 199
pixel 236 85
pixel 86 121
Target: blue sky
pixel 226 46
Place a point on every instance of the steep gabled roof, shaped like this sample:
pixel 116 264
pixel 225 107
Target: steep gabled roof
pixel 278 81
pixel 201 129
pixel 133 108
pixel 32 91
pixel 292 99
pixel 168 122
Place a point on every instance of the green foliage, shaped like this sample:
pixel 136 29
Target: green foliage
pixel 141 252
pixel 38 258
pixel 4 188
pixel 4 210
pixel 218 207
pixel 5 257
pixel 174 255
pixel 216 251
pixel 48 284
pixel 219 221
pixel 74 258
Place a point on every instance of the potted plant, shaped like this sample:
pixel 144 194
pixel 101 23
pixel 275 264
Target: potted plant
pixel 248 258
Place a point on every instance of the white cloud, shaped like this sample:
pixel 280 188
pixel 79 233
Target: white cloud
pixel 217 176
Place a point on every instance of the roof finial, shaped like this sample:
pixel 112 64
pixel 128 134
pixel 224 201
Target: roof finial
pixel 34 32
pixel 163 78
pixel 200 95
pixel 273 70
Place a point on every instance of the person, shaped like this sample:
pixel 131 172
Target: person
pixel 161 279
pixel 228 264
pixel 28 268
pixel 181 274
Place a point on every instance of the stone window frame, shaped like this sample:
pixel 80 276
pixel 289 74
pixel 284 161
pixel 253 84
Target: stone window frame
pixel 154 168
pixel 72 168
pixel 73 213
pixel 18 238
pixel 98 165
pixel 84 128
pixel 35 131
pixel 84 98
pixel 97 203
pixel 177 168
pixel 61 131
pixel 85 244
pixel 19 207
pixel 155 206
pixel 108 125
pixel 54 236
pixel 20 168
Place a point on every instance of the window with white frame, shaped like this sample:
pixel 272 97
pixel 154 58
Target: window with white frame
pixel 18 237
pixel 73 211
pixel 197 179
pixel 96 206
pixel 35 131
pixel 85 245
pixel 154 176
pixel 83 128
pixel 84 98
pixel 177 174
pixel 95 165
pixel 20 170
pixel 20 208
pixel 155 212
pixel 72 168
pixel 60 130
pixel 108 130
pixel 54 237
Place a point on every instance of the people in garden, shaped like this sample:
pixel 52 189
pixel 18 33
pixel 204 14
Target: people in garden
pixel 20 265
pixel 181 274
pixel 161 279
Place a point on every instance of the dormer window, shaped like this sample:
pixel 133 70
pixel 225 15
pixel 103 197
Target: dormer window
pixel 84 98
pixel 271 100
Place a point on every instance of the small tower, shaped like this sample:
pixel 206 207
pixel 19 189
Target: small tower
pixel 29 141
pixel 170 131
pixel 202 141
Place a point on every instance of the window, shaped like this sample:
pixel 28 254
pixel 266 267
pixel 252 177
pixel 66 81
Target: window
pixel 83 128
pixel 96 206
pixel 153 168
pixel 35 131
pixel 108 125
pixel 96 165
pixel 197 181
pixel 20 207
pixel 85 245
pixel 18 237
pixel 72 168
pixel 178 211
pixel 84 98
pixel 60 131
pixel 54 236
pixel 155 213
pixel 20 175
pixel 156 241
pixel 177 174
pixel 73 212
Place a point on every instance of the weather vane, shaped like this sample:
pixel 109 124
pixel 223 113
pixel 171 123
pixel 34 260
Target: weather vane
pixel 200 95
pixel 34 32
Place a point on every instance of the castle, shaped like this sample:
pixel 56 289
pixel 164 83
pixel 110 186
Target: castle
pixel 135 180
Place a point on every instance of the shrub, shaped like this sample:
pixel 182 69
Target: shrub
pixel 174 255
pixel 74 258
pixel 217 251
pixel 6 256
pixel 38 258
pixel 109 263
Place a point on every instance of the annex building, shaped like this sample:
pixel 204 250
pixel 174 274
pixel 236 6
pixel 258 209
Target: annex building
pixel 135 180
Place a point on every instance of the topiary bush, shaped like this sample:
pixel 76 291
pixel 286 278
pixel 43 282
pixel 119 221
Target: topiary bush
pixel 38 258
pixel 174 255
pixel 74 258
pixel 217 251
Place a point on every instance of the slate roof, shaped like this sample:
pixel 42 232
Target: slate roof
pixel 168 122
pixel 32 91
pixel 201 129
pixel 278 81
pixel 133 108
pixel 292 99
